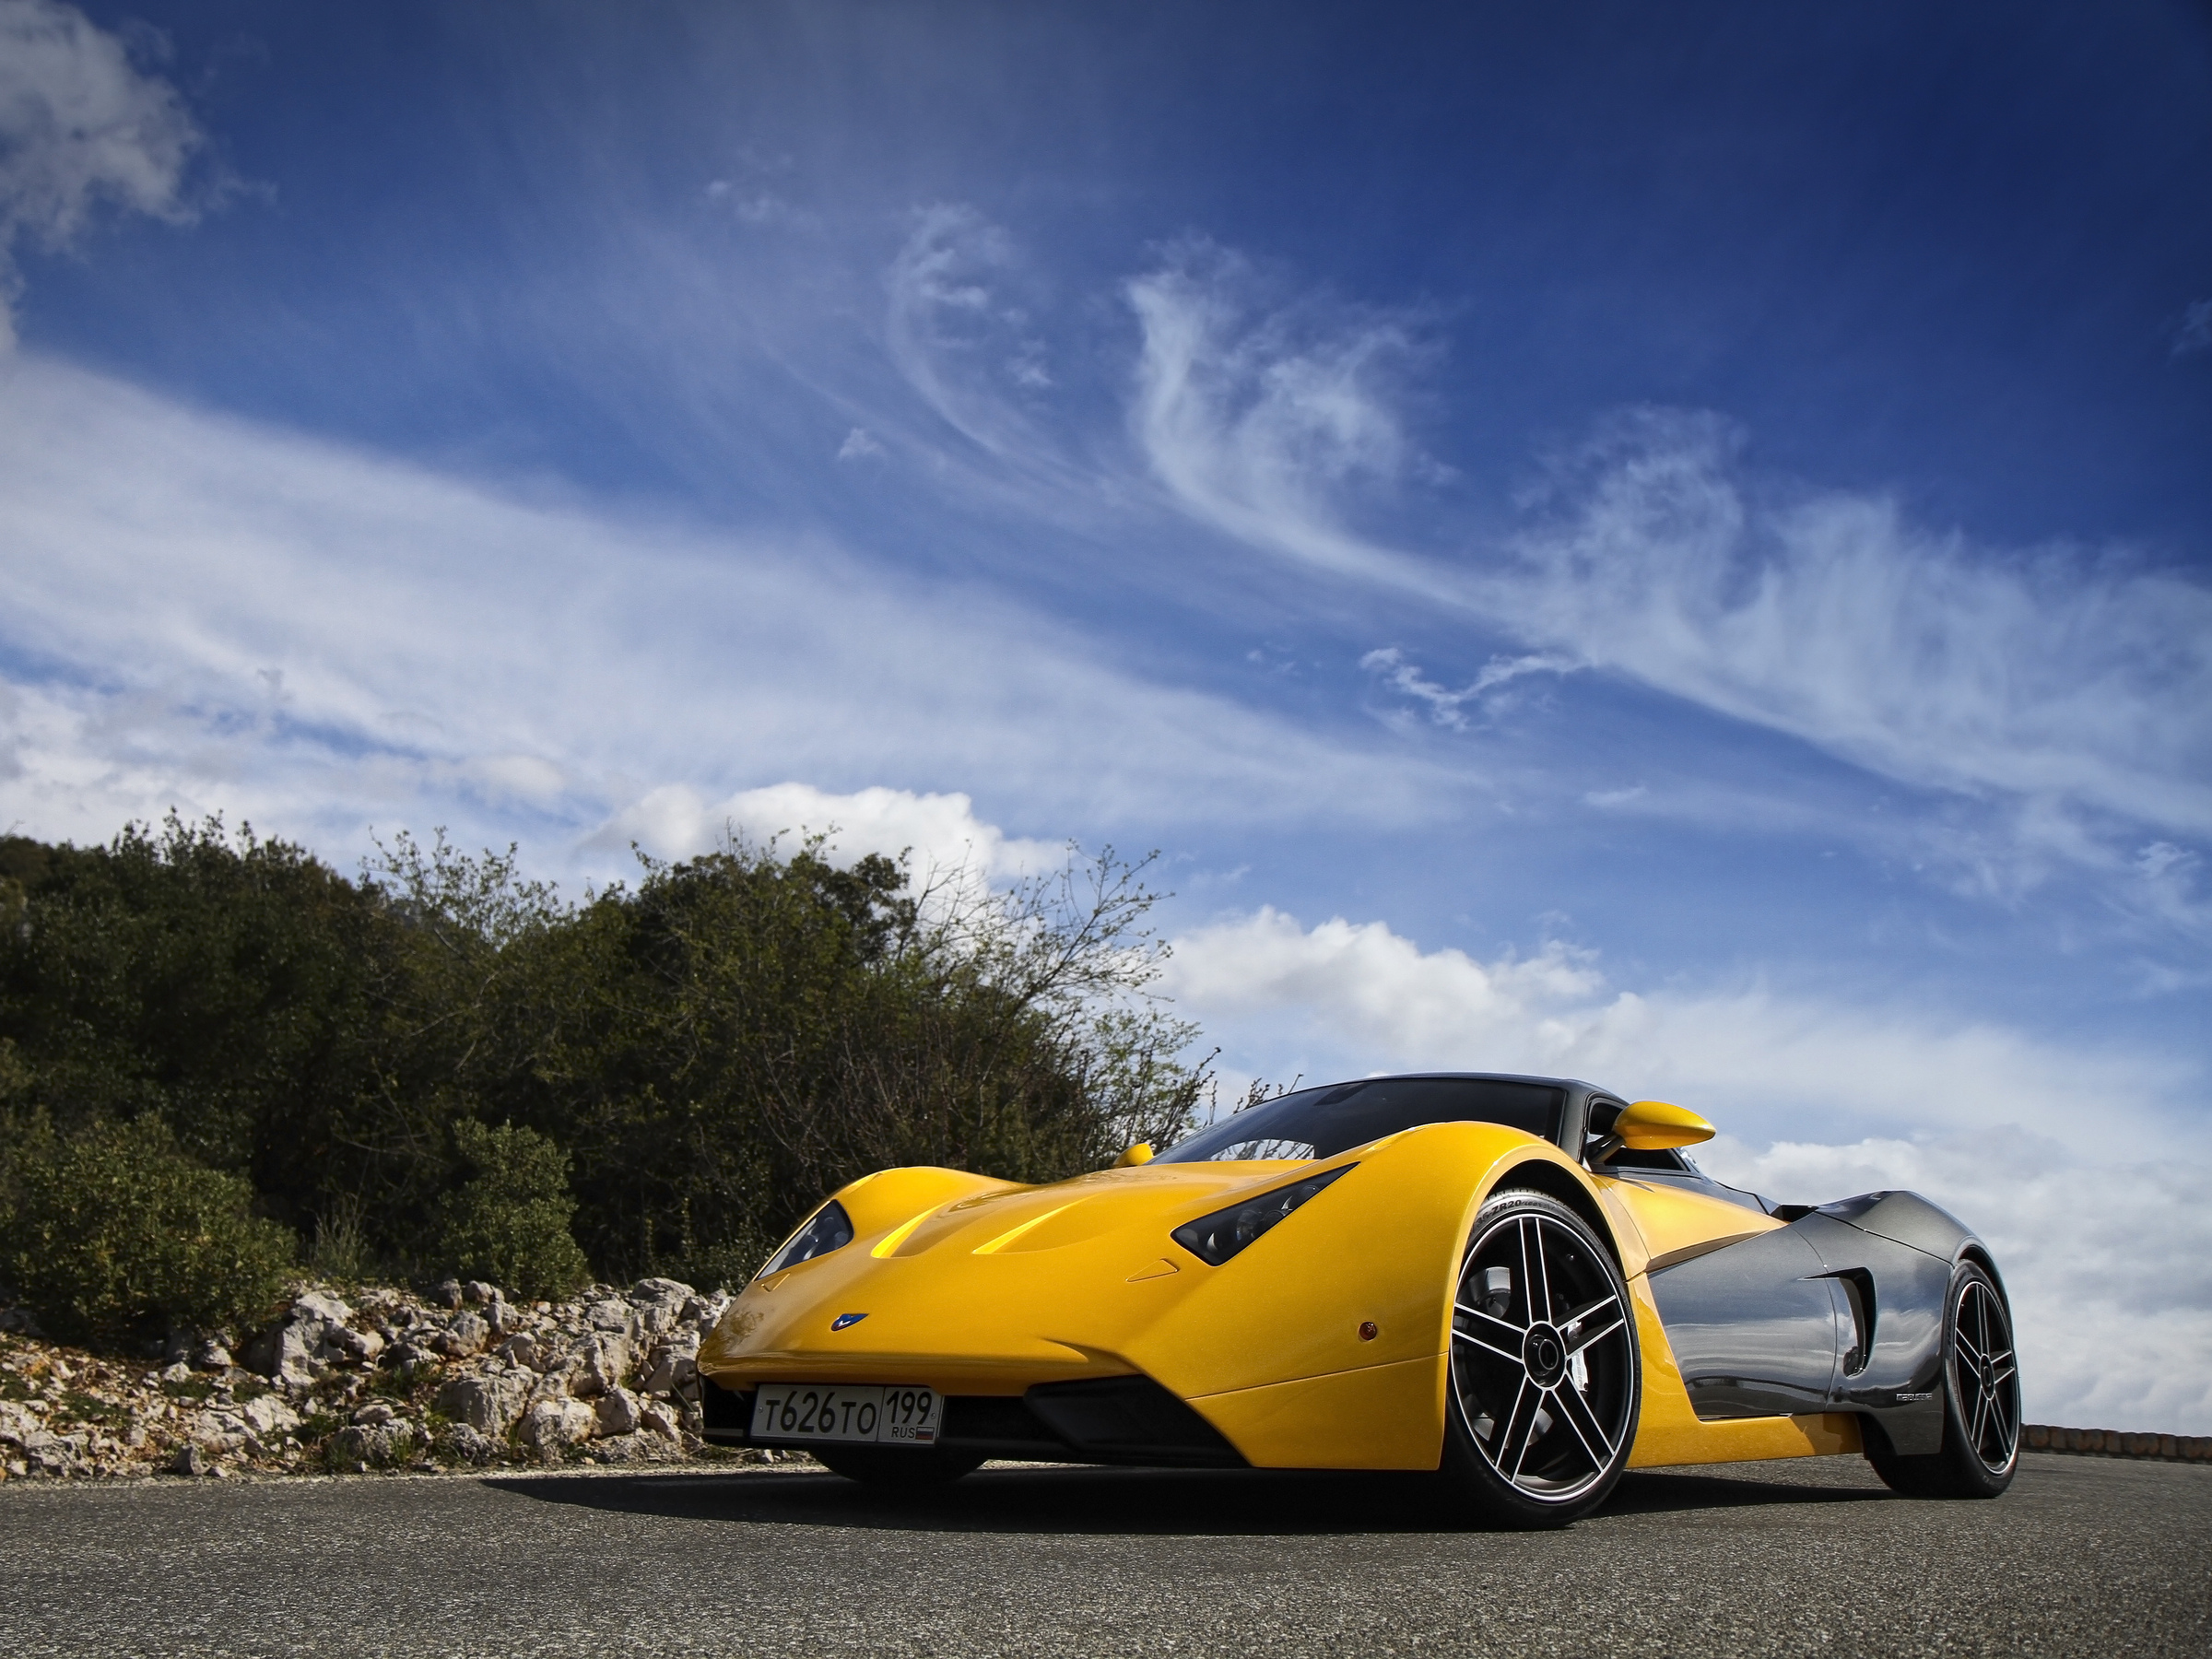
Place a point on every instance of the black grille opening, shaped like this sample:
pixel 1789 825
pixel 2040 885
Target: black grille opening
pixel 727 1415
pixel 1130 1419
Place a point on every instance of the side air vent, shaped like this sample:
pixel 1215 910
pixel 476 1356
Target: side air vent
pixel 1857 1286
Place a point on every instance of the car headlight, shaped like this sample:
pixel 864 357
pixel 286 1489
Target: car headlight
pixel 827 1230
pixel 1214 1239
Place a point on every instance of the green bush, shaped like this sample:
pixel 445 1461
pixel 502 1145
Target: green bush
pixel 116 1233
pixel 509 1222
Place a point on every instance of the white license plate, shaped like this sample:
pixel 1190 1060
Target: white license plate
pixel 832 1411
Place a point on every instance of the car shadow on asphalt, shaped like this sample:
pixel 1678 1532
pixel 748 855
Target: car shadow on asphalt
pixel 1080 1501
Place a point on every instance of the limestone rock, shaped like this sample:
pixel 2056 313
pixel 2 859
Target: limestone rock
pixel 471 1446
pixel 466 1334
pixel 702 1311
pixel 659 1303
pixel 670 1367
pixel 479 1292
pixel 218 1430
pixel 410 1360
pixel 553 1424
pixel 601 1364
pixel 190 1460
pixel 612 1313
pixel 519 1351
pixel 341 1342
pixel 319 1307
pixel 286 1352
pixel 269 1416
pixel 616 1413
pixel 375 1443
pixel 488 1404
pixel 446 1294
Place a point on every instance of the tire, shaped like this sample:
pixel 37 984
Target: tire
pixel 885 1467
pixel 1980 1449
pixel 1543 1390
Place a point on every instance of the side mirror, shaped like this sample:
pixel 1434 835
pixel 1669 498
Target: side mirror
pixel 1652 1125
pixel 1141 1154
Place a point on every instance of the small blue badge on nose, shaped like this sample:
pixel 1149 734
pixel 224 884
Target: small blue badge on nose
pixel 843 1320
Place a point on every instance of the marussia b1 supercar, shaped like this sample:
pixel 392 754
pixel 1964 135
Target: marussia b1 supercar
pixel 1519 1282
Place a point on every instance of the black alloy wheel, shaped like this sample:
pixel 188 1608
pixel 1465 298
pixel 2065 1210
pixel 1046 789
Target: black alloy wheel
pixel 1546 1382
pixel 894 1466
pixel 1981 1402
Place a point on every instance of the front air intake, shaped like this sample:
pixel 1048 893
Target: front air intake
pixel 1130 1419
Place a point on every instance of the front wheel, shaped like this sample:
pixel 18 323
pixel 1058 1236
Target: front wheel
pixel 1546 1380
pixel 1981 1449
pixel 881 1466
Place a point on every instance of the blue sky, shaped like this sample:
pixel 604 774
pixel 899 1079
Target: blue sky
pixel 1667 546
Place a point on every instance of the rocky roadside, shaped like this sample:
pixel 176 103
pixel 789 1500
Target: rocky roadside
pixel 373 1378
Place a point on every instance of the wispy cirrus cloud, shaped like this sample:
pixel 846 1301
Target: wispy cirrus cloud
pixel 1446 706
pixel 81 127
pixel 1257 419
pixel 959 331
pixel 325 639
pixel 2076 685
pixel 2044 674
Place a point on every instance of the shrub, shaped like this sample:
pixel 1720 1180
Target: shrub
pixel 509 1222
pixel 116 1232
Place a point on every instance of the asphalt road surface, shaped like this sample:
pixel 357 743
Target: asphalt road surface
pixel 2083 1557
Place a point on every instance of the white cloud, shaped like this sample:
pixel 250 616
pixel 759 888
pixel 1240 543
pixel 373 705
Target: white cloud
pixel 1447 707
pixel 2040 1148
pixel 1360 996
pixel 2073 688
pixel 858 446
pixel 325 640
pixel 2041 675
pixel 79 126
pixel 957 334
pixel 941 832
pixel 1253 423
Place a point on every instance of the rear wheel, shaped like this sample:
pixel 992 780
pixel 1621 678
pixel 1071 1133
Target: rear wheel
pixel 1544 1377
pixel 1981 1402
pixel 885 1467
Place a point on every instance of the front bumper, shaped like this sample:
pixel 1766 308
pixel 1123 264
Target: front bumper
pixel 1094 1419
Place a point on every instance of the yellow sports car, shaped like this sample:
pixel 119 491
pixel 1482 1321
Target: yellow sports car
pixel 1519 1282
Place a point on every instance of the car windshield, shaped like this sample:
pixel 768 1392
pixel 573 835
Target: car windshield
pixel 1320 1123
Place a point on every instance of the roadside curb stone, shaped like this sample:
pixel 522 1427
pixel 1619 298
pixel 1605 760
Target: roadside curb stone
pixel 2113 1442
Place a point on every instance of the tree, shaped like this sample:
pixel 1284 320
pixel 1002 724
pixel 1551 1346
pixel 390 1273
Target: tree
pixel 116 1233
pixel 710 1051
